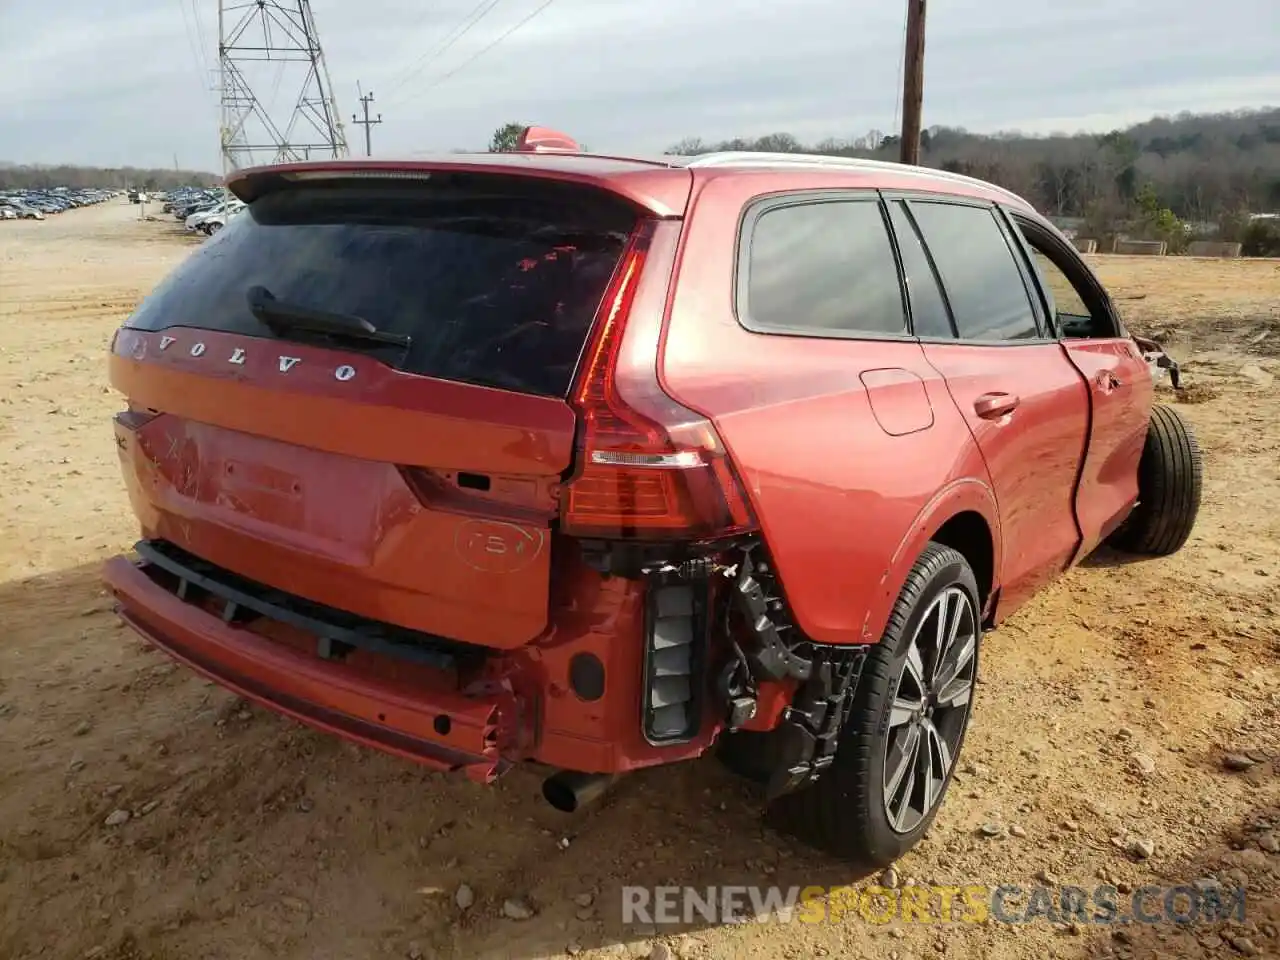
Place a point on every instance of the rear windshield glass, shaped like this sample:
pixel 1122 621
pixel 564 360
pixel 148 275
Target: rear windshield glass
pixel 495 289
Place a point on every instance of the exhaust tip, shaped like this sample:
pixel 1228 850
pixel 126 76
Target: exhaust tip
pixel 569 791
pixel 559 794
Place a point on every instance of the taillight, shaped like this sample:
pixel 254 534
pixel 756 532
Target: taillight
pixel 647 468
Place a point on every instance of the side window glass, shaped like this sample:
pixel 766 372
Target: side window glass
pixel 983 282
pixel 1073 315
pixel 1066 300
pixel 929 316
pixel 823 267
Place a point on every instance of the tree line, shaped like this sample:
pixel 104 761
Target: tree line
pixel 20 177
pixel 1169 178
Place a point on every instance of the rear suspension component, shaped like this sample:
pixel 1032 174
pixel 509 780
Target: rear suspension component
pixel 774 649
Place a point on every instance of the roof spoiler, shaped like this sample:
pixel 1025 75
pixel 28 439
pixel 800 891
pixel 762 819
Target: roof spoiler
pixel 546 140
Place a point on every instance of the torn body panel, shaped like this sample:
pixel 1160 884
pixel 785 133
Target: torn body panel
pixel 1157 360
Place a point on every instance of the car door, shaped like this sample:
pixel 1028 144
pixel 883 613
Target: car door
pixel 1025 403
pixel 1119 381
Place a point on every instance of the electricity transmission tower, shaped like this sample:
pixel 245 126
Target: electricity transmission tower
pixel 266 50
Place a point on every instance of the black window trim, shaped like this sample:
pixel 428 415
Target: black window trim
pixel 760 205
pixel 1015 251
pixel 1021 224
pixel 887 199
pixel 1044 323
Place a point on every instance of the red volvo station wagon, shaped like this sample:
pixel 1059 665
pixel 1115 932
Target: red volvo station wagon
pixel 602 463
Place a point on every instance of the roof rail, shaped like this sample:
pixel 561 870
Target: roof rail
pixel 749 158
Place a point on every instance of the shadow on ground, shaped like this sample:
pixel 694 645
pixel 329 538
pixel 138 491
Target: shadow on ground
pixel 143 809
pixel 239 834
pixel 1105 556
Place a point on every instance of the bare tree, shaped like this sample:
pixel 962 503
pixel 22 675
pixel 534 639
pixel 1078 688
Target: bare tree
pixel 16 177
pixel 1200 167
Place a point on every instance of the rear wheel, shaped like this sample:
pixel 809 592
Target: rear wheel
pixel 1169 480
pixel 906 727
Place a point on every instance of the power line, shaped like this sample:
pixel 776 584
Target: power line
pixel 902 50
pixel 474 16
pixel 191 40
pixel 275 84
pixel 205 62
pixel 477 13
pixel 398 82
pixel 427 14
pixel 485 49
pixel 197 55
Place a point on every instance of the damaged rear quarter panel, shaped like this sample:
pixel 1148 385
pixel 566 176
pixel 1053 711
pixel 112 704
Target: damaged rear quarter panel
pixel 845 507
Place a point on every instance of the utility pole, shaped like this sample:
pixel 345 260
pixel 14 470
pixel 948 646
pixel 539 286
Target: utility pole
pixel 912 83
pixel 365 100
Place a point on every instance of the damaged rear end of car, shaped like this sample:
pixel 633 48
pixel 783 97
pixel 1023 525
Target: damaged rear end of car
pixel 405 472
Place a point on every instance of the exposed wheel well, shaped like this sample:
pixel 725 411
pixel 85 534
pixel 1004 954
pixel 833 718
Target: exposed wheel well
pixel 969 534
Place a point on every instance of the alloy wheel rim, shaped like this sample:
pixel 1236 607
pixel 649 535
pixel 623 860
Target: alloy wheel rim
pixel 930 708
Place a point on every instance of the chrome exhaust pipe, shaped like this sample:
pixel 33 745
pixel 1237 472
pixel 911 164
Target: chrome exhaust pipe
pixel 569 791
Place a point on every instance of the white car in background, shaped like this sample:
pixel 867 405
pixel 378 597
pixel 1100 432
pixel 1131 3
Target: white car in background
pixel 196 220
pixel 20 210
pixel 216 221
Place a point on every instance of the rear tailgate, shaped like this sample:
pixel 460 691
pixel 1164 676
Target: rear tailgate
pixel 415 485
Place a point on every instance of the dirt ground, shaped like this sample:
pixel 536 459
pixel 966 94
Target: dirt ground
pixel 1105 713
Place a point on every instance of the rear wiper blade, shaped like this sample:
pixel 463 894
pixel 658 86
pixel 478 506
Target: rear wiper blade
pixel 282 317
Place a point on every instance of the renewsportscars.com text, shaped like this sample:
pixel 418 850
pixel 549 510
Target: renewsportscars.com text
pixel 1004 903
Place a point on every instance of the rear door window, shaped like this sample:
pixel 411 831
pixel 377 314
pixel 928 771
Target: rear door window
pixel 492 289
pixel 823 268
pixel 929 315
pixel 983 282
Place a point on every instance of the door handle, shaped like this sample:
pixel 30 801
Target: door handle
pixel 993 406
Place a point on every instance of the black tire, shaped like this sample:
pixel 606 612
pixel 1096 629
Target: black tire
pixel 1170 475
pixel 844 812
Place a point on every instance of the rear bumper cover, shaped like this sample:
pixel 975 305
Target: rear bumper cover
pixel 444 730
pixel 462 709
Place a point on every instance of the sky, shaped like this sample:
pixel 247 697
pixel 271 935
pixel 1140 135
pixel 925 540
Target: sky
pixel 138 87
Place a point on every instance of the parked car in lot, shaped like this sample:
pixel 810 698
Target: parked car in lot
pixel 215 221
pixel 197 203
pixel 197 220
pixel 36 204
pixel 20 209
pixel 604 463
pixel 181 197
